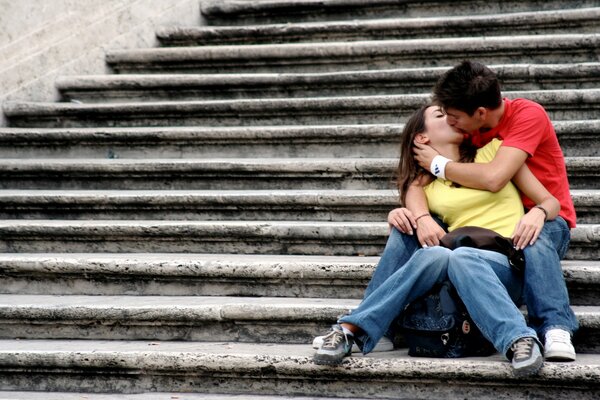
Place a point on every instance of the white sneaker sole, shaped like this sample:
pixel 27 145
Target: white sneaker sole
pixel 384 344
pixel 560 356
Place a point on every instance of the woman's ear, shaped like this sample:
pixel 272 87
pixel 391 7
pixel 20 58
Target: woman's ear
pixel 421 138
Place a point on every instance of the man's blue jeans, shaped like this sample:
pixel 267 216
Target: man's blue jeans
pixel 545 292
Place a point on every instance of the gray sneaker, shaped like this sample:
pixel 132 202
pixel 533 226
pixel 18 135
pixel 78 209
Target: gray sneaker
pixel 384 344
pixel 526 357
pixel 336 345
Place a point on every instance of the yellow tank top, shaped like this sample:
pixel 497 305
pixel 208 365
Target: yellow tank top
pixel 462 206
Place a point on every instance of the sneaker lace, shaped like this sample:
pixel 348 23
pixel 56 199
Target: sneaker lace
pixel 522 349
pixel 333 339
pixel 558 336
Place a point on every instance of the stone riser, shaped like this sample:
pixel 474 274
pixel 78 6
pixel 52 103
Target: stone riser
pixel 283 370
pixel 228 174
pixel 577 138
pixel 237 319
pixel 246 12
pixel 248 237
pixel 126 88
pixel 363 55
pixel 221 275
pixel 393 109
pixel 102 285
pixel 360 205
pixel 202 205
pixel 531 23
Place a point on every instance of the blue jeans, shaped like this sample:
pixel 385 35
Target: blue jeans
pixel 485 281
pixel 398 250
pixel 490 287
pixel 545 292
pixel 384 303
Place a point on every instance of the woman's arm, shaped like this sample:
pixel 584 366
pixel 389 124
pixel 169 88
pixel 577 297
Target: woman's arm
pixel 429 232
pixel 529 227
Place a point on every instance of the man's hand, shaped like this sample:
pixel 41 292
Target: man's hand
pixel 429 232
pixel 402 219
pixel 424 154
pixel 528 228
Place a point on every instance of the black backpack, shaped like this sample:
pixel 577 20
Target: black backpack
pixel 438 325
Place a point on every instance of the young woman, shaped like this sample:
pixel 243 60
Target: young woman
pixel 492 307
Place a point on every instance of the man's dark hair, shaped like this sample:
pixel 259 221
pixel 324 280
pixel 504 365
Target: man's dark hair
pixel 467 87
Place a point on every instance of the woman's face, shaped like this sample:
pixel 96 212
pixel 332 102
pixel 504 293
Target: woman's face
pixel 437 129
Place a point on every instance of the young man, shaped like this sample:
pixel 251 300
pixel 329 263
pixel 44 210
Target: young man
pixel 470 96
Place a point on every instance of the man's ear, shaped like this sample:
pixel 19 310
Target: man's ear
pixel 421 138
pixel 481 113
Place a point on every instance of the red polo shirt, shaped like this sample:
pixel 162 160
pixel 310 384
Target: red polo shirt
pixel 526 126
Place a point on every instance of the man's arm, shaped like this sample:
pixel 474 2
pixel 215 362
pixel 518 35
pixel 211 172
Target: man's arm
pixel 491 176
pixel 530 226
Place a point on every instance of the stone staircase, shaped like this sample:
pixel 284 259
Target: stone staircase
pixel 188 223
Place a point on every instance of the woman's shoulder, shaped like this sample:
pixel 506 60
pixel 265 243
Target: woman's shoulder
pixel 488 152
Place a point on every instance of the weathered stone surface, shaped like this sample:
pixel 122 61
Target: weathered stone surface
pixel 245 237
pixel 203 142
pixel 229 174
pixel 141 87
pixel 170 295
pixel 237 12
pixel 358 55
pixel 338 205
pixel 282 369
pixel 220 275
pixel 243 319
pixel 186 274
pixel 149 396
pixel 534 22
pixel 390 109
pixel 313 205
pixel 577 138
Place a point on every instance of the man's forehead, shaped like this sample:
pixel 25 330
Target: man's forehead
pixel 453 112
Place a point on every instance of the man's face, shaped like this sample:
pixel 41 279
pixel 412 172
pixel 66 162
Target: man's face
pixel 462 122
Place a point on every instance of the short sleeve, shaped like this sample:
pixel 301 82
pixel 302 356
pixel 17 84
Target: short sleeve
pixel 527 129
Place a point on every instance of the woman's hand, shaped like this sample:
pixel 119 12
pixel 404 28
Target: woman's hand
pixel 429 232
pixel 402 219
pixel 528 228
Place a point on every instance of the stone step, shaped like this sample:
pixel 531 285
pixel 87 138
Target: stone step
pixel 268 369
pixel 577 138
pixel 220 275
pixel 358 55
pixel 315 205
pixel 145 87
pixel 236 12
pixel 229 173
pixel 241 237
pixel 228 142
pixel 579 104
pixel 13 395
pixel 537 22
pixel 198 318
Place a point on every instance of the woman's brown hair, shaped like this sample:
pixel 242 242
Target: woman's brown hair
pixel 408 169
